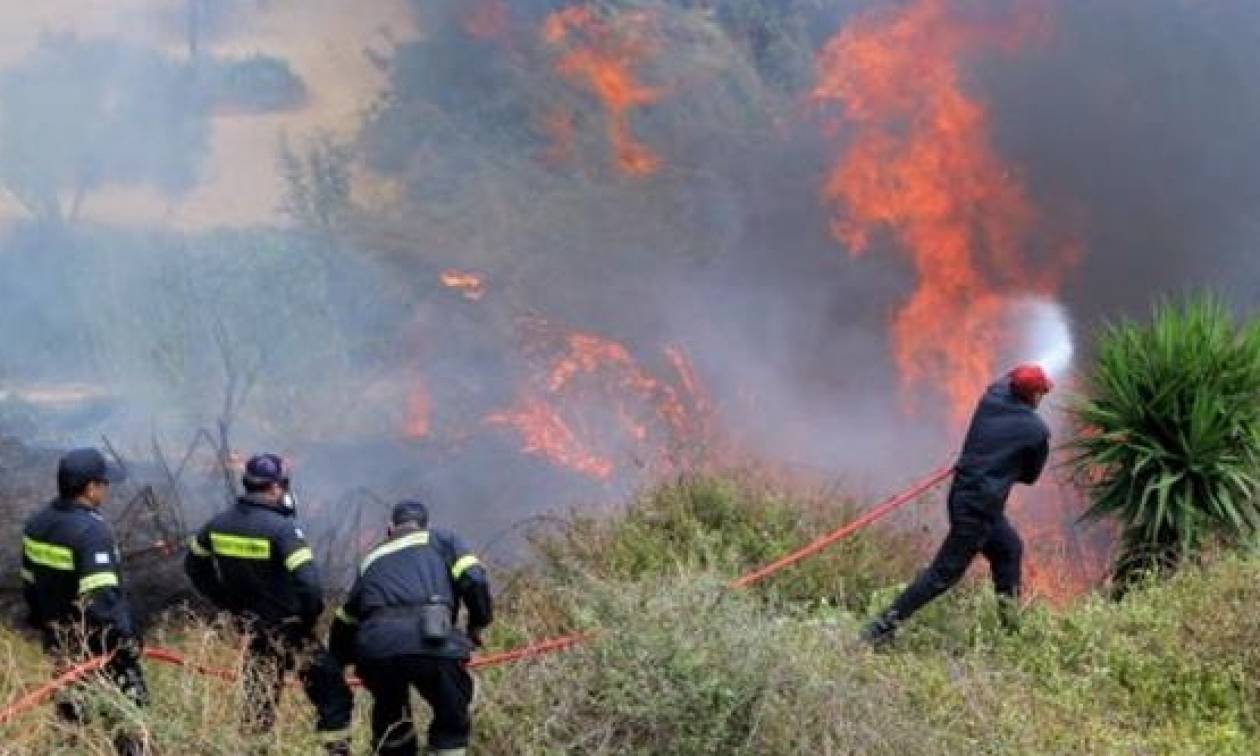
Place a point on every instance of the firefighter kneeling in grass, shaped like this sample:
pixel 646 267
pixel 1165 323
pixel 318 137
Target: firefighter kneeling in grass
pixel 72 589
pixel 253 562
pixel 398 627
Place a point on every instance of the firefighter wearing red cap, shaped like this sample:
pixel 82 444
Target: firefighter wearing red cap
pixel 398 626
pixel 1007 443
pixel 253 562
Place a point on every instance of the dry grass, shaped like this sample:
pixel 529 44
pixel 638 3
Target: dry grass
pixel 681 665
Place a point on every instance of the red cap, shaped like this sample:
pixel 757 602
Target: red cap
pixel 1028 380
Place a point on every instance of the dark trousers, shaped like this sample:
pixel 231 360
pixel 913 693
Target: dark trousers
pixel 972 530
pixel 269 656
pixel 443 683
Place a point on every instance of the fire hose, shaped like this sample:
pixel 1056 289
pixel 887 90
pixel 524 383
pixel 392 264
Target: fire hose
pixel 539 648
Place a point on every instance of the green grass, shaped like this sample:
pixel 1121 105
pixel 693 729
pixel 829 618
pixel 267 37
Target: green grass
pixel 680 665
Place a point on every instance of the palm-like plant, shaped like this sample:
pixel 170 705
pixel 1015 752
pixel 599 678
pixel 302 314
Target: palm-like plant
pixel 1169 441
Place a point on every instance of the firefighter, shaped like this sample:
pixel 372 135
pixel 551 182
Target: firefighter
pixel 1007 443
pixel 71 582
pixel 398 626
pixel 253 562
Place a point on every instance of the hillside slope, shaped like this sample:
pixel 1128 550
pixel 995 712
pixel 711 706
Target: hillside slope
pixel 681 665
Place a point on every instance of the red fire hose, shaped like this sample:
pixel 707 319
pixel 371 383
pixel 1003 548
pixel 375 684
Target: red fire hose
pixel 875 513
pixel 525 652
pixel 37 696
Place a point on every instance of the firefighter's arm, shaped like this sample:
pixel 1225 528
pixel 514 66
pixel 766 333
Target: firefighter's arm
pixel 199 566
pixel 100 590
pixel 28 591
pixel 472 585
pixel 345 626
pixel 1035 461
pixel 298 559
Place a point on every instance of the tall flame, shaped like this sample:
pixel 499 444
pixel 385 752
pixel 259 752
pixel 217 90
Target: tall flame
pixel 921 164
pixel 601 57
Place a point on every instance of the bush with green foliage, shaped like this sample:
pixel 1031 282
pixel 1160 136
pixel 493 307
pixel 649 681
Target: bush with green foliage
pixel 1170 433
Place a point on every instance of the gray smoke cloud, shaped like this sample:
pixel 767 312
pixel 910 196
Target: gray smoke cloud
pixel 1132 126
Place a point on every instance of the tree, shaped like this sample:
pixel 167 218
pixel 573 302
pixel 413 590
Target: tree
pixel 1170 434
pixel 78 114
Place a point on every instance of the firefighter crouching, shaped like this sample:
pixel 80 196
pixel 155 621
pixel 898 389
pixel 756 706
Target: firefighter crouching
pixel 253 562
pixel 72 586
pixel 398 627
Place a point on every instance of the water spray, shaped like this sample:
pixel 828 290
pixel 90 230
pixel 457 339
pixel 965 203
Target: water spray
pixel 1044 336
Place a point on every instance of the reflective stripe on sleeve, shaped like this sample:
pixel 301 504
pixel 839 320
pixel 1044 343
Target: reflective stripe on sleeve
pixel 99 580
pixel 298 558
pixel 48 554
pixel 240 547
pixel 345 617
pixel 28 576
pixel 197 549
pixel 462 564
pixel 398 544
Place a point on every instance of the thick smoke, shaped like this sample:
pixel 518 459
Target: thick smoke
pixel 1131 125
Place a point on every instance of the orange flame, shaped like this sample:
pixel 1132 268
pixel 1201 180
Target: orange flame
pixel 545 433
pixel 471 285
pixel 592 401
pixel 601 58
pixel 921 164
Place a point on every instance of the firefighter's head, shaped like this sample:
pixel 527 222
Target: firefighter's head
pixel 84 475
pixel 409 514
pixel 266 479
pixel 1029 383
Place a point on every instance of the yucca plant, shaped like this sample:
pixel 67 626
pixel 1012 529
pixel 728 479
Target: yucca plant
pixel 1169 433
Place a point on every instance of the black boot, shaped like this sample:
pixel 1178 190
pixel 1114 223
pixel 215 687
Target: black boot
pixel 881 631
pixel 1008 613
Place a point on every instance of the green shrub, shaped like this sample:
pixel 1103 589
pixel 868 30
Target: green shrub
pixel 1170 440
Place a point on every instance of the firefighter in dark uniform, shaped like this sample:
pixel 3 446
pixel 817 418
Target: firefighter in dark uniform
pixel 71 582
pixel 398 626
pixel 1007 443
pixel 253 562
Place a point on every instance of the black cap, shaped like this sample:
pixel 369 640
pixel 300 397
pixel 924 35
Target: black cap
pixel 263 469
pixel 82 466
pixel 410 510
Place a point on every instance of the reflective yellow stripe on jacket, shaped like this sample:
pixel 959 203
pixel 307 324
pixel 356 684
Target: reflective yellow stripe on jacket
pixel 196 548
pixel 91 583
pixel 414 539
pixel 48 554
pixel 298 558
pixel 240 547
pixel 462 564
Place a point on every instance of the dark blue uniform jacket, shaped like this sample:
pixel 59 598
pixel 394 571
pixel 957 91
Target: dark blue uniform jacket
pixel 70 574
pixel 252 560
pixel 379 618
pixel 1007 443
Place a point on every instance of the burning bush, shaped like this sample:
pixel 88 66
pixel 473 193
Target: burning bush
pixel 1170 441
